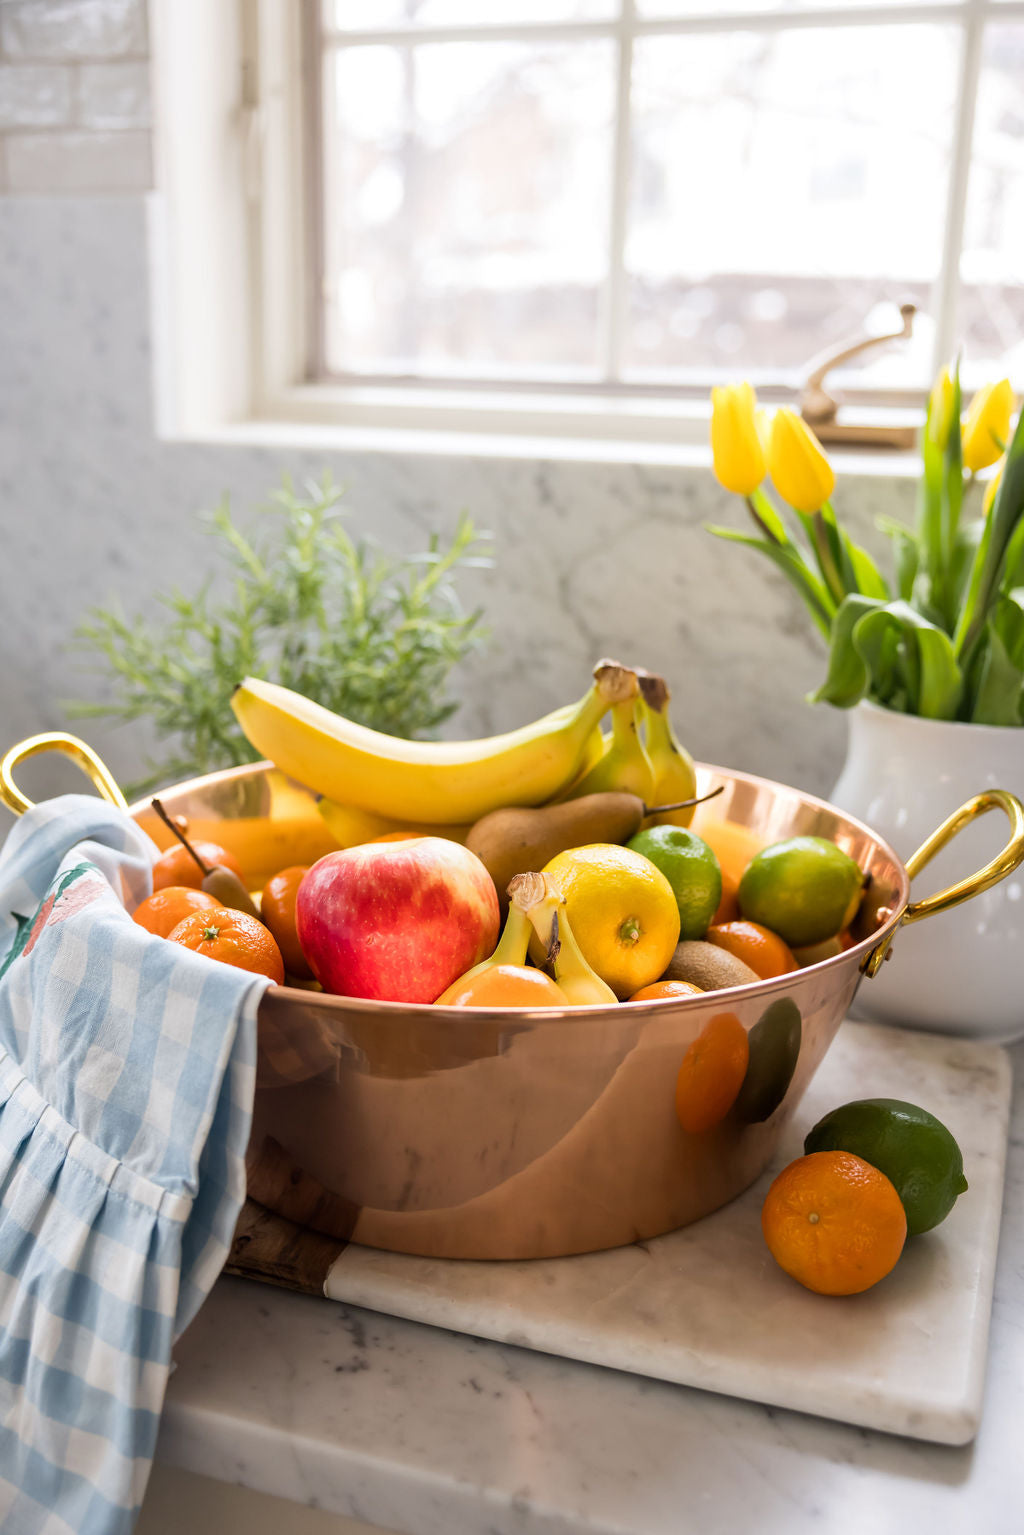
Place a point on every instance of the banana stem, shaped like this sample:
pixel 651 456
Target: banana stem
pixel 514 940
pixel 540 898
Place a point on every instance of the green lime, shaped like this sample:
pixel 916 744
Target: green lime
pixel 806 889
pixel 692 870
pixel 911 1147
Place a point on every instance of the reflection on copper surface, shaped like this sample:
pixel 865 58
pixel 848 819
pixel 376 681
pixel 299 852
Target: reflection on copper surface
pixel 714 1069
pixel 506 1134
pixel 774 1044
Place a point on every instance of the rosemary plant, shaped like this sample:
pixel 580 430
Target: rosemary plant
pixel 368 635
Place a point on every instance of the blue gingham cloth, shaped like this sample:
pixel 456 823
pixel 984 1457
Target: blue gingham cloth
pixel 127 1067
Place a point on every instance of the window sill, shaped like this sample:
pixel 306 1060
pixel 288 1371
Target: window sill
pixel 573 429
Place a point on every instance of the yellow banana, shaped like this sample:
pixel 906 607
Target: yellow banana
pixel 511 950
pixel 423 781
pixel 542 901
pixel 352 826
pixel 625 765
pixel 675 777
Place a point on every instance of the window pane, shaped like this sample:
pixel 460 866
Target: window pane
pixel 648 9
pixel 991 316
pixel 466 207
pixel 371 15
pixel 783 184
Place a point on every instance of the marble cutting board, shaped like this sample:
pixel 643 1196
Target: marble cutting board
pixel 708 1307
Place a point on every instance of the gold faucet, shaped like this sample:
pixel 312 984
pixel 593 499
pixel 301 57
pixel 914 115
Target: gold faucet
pixel 820 410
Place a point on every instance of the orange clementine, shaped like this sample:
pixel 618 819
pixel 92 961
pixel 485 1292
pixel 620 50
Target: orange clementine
pixel 505 986
pixel 757 946
pixel 729 905
pixel 734 845
pixel 660 989
pixel 834 1223
pixel 164 909
pixel 178 867
pixel 712 1073
pixel 277 911
pixel 234 938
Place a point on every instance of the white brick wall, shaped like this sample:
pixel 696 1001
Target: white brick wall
pixel 74 96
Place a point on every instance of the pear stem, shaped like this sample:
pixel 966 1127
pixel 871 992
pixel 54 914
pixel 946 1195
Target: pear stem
pixel 186 844
pixel 684 804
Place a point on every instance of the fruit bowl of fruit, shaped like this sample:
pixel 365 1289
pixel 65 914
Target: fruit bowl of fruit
pixel 546 993
pixel 575 1065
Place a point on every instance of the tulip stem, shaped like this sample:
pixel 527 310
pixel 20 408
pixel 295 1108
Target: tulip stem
pixel 829 569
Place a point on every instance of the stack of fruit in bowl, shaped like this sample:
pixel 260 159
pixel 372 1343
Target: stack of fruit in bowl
pixel 548 868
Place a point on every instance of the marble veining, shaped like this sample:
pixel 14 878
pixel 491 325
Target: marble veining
pixel 429 1432
pixel 707 1306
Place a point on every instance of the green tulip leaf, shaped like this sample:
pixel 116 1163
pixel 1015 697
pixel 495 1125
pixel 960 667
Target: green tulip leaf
pixel 906 552
pixel 999 667
pixel 997 541
pixel 933 679
pixel 848 676
pixel 791 562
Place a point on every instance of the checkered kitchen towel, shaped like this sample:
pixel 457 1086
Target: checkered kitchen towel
pixel 127 1067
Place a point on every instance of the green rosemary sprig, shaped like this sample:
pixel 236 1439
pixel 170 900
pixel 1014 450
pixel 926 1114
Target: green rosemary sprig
pixel 366 634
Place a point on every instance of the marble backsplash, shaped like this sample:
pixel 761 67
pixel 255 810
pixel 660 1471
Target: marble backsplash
pixel 590 558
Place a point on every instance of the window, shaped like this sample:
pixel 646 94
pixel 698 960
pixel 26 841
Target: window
pixel 546 211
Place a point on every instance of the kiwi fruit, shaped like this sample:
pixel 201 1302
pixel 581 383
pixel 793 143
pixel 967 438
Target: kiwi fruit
pixel 708 966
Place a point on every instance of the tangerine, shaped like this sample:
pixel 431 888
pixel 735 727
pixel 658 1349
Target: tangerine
pixel 178 867
pixel 277 912
pixel 164 909
pixel 505 986
pixel 729 906
pixel 757 946
pixel 712 1073
pixel 834 1223
pixel 234 938
pixel 659 989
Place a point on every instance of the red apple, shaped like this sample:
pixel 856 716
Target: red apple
pixel 397 921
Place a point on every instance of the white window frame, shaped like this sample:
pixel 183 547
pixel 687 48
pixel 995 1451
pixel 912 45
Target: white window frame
pixel 234 237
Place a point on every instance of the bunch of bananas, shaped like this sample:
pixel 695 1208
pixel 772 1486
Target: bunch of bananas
pixel 373 784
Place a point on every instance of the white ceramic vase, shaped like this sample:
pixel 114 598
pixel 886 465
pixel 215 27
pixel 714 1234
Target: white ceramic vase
pixel 962 971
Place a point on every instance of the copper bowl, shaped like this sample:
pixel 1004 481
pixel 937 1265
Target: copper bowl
pixel 510 1133
pixel 507 1133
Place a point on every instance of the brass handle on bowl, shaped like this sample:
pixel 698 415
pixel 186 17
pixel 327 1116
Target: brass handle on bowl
pixel 82 755
pixel 1003 864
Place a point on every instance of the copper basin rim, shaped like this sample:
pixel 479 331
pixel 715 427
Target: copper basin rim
pixel 514 1134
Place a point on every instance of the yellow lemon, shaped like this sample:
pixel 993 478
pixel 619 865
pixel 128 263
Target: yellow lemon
pixel 622 911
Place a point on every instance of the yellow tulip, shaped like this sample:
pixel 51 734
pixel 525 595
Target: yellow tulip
pixel 987 427
pixel 802 474
pixel 735 444
pixel 940 409
pixel 990 491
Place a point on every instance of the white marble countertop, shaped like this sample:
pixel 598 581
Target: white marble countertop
pixel 431 1433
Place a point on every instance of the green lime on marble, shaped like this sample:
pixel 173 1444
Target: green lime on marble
pixel 806 889
pixel 691 868
pixel 914 1150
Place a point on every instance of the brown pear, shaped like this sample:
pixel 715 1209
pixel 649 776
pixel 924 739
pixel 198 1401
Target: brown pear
pixel 522 841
